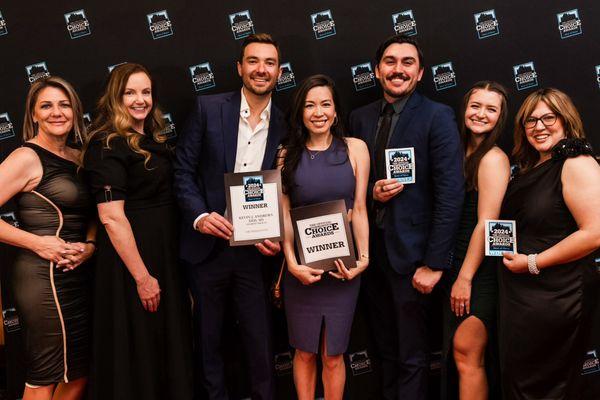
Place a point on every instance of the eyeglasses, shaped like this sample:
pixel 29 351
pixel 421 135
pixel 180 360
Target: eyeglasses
pixel 547 119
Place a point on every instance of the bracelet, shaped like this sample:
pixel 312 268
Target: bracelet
pixel 91 241
pixel 532 264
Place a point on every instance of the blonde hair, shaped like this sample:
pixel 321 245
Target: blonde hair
pixel 560 104
pixel 114 120
pixel 30 127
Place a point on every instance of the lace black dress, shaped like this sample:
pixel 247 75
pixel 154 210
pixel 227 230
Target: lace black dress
pixel 544 319
pixel 138 354
pixel 54 306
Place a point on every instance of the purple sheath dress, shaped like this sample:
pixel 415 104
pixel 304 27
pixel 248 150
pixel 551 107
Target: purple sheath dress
pixel 328 304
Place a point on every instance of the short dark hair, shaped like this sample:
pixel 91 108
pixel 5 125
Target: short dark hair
pixel 259 38
pixel 399 39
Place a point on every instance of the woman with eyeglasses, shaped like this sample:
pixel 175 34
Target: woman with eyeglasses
pixel 545 290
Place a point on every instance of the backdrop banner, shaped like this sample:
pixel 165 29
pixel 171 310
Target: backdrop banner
pixel 191 48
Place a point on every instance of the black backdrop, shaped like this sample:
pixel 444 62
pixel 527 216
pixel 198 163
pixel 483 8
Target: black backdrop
pixel 560 38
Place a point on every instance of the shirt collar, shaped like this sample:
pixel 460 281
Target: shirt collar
pixel 245 109
pixel 398 104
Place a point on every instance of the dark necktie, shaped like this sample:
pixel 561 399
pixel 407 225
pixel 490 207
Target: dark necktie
pixel 381 141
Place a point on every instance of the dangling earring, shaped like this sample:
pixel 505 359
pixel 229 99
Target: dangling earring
pixel 335 120
pixel 36 128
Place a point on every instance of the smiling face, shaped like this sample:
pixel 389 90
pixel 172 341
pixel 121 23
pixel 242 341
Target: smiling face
pixel 137 98
pixel 399 71
pixel 543 138
pixel 319 110
pixel 483 111
pixel 53 112
pixel 259 68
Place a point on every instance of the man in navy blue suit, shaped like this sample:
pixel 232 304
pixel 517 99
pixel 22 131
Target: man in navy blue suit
pixel 413 225
pixel 231 132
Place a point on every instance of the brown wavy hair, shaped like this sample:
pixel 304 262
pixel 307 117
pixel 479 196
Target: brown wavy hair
pixel 560 104
pixel 113 119
pixel 472 161
pixel 78 133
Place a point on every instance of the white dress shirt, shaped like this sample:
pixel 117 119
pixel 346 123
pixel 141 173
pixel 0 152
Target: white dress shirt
pixel 251 143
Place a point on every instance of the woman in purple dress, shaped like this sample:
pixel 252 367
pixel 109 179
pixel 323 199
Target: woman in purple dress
pixel 319 164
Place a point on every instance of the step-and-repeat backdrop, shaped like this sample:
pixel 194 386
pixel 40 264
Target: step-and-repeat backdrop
pixel 191 48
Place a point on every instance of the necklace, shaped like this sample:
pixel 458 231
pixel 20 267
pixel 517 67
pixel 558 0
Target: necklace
pixel 313 155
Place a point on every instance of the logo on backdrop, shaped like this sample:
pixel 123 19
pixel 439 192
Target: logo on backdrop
pixel 111 67
pixel 525 75
pixel 323 24
pixel 77 24
pixel 486 24
pixel 569 23
pixel 363 76
pixel 591 363
pixel 443 76
pixel 10 217
pixel 598 75
pixel 3 28
pixel 6 127
pixel 37 71
pixel 87 120
pixel 169 130
pixel 202 76
pixel 360 362
pixel 283 363
pixel 159 24
pixel 11 320
pixel 287 79
pixel 404 23
pixel 241 24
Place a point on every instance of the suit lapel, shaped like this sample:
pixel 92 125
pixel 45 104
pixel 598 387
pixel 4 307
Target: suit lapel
pixel 273 138
pixel 405 117
pixel 230 114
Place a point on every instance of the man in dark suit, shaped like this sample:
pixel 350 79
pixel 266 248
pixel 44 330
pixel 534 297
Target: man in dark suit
pixel 413 225
pixel 231 132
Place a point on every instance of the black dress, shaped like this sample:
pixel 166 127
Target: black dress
pixel 544 319
pixel 54 306
pixel 138 354
pixel 484 294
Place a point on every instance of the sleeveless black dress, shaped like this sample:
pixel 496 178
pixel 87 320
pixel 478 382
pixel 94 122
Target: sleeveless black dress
pixel 544 319
pixel 484 295
pixel 53 306
pixel 138 354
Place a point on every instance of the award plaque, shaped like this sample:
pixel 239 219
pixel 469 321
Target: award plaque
pixel 253 206
pixel 500 237
pixel 323 235
pixel 400 164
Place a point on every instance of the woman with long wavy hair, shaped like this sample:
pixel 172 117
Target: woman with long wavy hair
pixel 471 285
pixel 50 280
pixel 142 340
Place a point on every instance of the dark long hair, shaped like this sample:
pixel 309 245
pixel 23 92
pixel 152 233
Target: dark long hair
pixel 297 136
pixel 473 160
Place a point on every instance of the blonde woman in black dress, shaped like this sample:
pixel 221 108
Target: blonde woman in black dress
pixel 142 319
pixel 546 291
pixel 49 280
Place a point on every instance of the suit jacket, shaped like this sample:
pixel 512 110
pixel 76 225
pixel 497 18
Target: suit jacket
pixel 421 221
pixel 205 151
